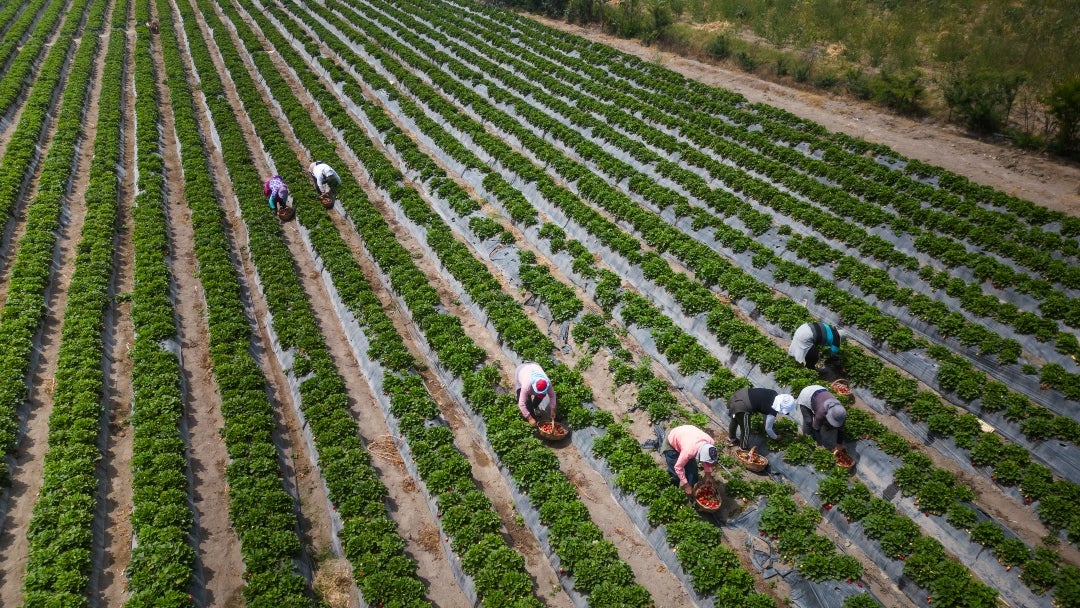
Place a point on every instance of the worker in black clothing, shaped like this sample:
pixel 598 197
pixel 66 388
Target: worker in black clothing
pixel 745 402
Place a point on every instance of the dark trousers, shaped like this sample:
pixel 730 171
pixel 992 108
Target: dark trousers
pixel 671 457
pixel 739 429
pixel 826 437
pixel 532 405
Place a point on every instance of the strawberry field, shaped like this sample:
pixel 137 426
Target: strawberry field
pixel 205 406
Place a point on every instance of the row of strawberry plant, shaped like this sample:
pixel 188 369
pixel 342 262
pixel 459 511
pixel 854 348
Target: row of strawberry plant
pixel 466 514
pixel 1061 424
pixel 692 94
pixel 814 555
pixel 24 43
pixel 935 492
pixel 11 11
pixel 369 536
pixel 601 574
pixel 31 268
pixel 61 528
pixel 874 179
pixel 974 300
pixel 682 500
pixel 561 392
pixel 954 415
pixel 161 569
pixel 925 559
pixel 1058 307
pixel 879 162
pixel 22 150
pixel 260 508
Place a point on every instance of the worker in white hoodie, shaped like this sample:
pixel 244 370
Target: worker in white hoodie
pixel 326 180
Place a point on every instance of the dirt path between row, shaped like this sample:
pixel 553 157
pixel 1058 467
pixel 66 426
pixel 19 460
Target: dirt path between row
pixel 996 502
pixel 307 489
pixel 9 120
pixel 1025 174
pixel 15 226
pixel 592 488
pixel 406 505
pixel 107 582
pixel 219 565
pixel 28 465
pixel 1005 509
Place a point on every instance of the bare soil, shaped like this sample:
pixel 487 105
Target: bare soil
pixel 1034 176
pixel 28 463
pixel 219 580
pixel 219 567
pixel 406 506
pixel 108 581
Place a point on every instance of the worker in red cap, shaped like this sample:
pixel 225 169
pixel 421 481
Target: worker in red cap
pixel 532 386
pixel 685 446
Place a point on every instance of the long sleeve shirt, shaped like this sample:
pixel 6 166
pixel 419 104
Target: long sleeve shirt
pixel 523 380
pixel 816 398
pixel 322 172
pixel 759 400
pixel 275 188
pixel 687 440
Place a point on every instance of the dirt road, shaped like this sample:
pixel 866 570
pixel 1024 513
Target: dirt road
pixel 1021 173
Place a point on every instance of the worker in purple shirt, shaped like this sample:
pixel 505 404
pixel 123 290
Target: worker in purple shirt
pixel 277 191
pixel 531 387
pixel 822 415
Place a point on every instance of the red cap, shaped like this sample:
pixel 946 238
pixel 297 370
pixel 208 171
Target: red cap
pixel 540 385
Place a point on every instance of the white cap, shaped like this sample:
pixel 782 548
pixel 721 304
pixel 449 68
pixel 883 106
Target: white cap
pixel 707 453
pixel 783 404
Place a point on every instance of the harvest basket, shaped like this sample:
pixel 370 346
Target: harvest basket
pixel 285 213
pixel 843 459
pixel 327 201
pixel 841 387
pixel 752 460
pixel 551 430
pixel 705 498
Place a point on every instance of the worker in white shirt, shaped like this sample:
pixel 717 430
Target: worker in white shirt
pixel 326 180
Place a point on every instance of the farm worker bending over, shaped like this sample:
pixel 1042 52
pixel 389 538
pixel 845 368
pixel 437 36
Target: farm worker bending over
pixel 531 386
pixel 325 178
pixel 278 192
pixel 683 447
pixel 746 401
pixel 807 342
pixel 822 415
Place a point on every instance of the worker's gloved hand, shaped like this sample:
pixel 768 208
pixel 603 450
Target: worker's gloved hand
pixel 773 435
pixel 687 488
pixel 532 421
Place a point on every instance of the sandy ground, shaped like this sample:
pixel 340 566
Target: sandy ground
pixel 1029 175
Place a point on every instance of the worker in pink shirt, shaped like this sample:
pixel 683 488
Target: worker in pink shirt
pixel 532 386
pixel 683 448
